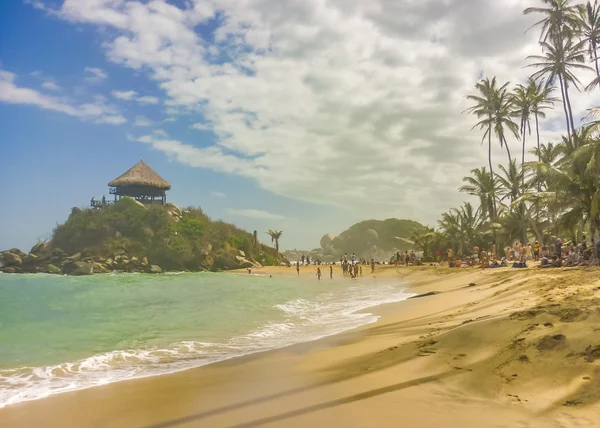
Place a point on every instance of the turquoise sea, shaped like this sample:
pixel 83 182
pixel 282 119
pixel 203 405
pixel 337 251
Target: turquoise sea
pixel 61 333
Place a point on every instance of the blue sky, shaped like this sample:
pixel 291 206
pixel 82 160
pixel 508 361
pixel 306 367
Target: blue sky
pixel 301 116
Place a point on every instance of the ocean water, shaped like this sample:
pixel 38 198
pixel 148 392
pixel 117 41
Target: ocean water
pixel 61 333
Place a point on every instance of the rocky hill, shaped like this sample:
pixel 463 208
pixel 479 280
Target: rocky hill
pixel 377 239
pixel 130 237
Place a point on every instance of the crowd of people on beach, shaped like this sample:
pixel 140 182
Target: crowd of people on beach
pixel 560 254
pixel 351 266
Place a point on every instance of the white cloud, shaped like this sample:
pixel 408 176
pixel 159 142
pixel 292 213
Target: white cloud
pixel 124 95
pixel 143 121
pixel 112 120
pixel 13 94
pixel 201 127
pixel 344 102
pixel 95 75
pixel 258 214
pixel 51 86
pixel 218 194
pixel 147 100
pixel 160 132
pixel 170 120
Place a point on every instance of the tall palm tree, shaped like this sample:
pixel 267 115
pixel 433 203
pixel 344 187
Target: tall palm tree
pixel 559 61
pixel 502 113
pixel 541 100
pixel 561 19
pixel 485 186
pixel 589 21
pixel 522 98
pixel 483 109
pixel 275 235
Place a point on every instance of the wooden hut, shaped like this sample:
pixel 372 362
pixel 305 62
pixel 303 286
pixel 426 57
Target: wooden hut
pixel 141 183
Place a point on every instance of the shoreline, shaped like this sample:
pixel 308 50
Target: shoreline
pixel 200 363
pixel 325 379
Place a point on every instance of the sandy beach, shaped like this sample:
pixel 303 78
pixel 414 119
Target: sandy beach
pixel 493 348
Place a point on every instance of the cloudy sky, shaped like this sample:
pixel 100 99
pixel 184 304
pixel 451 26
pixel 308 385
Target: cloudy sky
pixel 301 115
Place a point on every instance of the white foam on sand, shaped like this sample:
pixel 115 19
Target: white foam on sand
pixel 302 320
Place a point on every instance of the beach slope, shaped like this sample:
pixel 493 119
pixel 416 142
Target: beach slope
pixel 495 348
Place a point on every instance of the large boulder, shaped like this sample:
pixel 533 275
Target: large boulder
pixel 224 262
pixel 173 208
pixel 30 259
pixel 11 269
pixel 17 252
pixel 11 259
pixel 53 269
pixel 153 269
pixel 71 266
pixel 83 269
pixel 39 248
pixel 100 268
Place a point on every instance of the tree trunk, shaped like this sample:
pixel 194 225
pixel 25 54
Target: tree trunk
pixel 562 92
pixel 537 133
pixel 277 246
pixel 503 140
pixel 523 161
pixel 595 58
pixel 570 110
pixel 490 150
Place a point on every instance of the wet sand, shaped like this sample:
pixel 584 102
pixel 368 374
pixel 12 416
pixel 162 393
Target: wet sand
pixel 519 348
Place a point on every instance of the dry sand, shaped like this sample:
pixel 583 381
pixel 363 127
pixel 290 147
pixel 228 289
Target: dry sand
pixel 517 348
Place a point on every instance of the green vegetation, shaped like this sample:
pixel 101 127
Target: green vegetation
pixel 370 237
pixel 557 196
pixel 168 237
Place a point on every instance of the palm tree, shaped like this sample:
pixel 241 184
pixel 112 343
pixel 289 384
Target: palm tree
pixel 423 239
pixel 547 153
pixel 522 99
pixel 502 112
pixel 275 235
pixel 485 186
pixel 510 182
pixel 483 109
pixel 560 59
pixel 541 100
pixel 589 21
pixel 561 19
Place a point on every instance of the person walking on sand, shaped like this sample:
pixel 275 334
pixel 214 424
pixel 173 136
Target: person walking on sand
pixel 330 272
pixel 372 266
pixel 360 270
pixel 298 268
pixel 319 274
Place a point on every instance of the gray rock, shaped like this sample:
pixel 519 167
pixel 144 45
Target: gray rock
pixel 100 268
pixel 11 259
pixel 153 269
pixel 40 247
pixel 30 259
pixel 17 252
pixel 54 269
pixel 70 266
pixel 84 269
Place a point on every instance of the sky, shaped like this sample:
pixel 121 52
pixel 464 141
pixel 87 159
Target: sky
pixel 299 115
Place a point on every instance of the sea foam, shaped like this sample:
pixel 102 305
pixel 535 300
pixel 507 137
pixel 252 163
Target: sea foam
pixel 301 320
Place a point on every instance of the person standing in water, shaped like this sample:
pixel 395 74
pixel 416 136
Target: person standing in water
pixel 319 274
pixel 330 272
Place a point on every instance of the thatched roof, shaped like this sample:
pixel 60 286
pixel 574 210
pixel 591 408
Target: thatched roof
pixel 140 175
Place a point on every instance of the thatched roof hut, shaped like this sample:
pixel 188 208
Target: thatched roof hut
pixel 141 183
